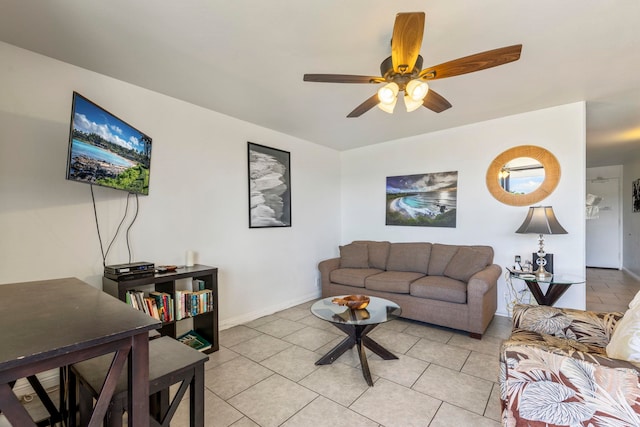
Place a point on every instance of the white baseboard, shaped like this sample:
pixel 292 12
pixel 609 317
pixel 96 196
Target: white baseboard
pixel 631 273
pixel 248 317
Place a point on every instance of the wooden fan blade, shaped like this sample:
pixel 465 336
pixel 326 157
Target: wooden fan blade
pixel 406 41
pixel 341 78
pixel 365 106
pixel 435 102
pixel 477 62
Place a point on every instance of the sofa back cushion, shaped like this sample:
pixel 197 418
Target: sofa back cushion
pixel 465 263
pixel 441 256
pixel 378 253
pixel 354 255
pixel 409 257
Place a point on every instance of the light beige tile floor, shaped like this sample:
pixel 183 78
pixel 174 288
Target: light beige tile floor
pixel 610 290
pixel 264 373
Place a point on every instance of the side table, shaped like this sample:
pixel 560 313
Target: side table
pixel 557 285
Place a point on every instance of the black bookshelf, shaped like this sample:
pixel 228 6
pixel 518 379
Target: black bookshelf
pixel 206 324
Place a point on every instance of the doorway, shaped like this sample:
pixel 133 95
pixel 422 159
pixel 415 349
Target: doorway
pixel 604 223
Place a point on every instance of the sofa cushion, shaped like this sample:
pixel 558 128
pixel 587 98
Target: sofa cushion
pixel 440 288
pixel 396 282
pixel 412 257
pixel 465 263
pixel 378 253
pixel 440 257
pixel 352 276
pixel 354 255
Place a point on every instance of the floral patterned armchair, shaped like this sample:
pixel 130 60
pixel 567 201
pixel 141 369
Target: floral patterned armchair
pixel 554 371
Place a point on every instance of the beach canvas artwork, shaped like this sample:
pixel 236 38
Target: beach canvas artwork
pixel 269 187
pixel 425 200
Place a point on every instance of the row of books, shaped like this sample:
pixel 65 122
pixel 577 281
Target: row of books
pixel 166 308
pixel 192 303
pixel 158 305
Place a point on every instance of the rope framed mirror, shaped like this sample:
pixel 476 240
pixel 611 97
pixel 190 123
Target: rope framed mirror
pixel 523 175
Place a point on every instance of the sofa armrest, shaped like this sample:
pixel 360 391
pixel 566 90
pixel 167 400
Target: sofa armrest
pixel 326 267
pixel 482 299
pixel 481 282
pixel 589 327
pixel 542 385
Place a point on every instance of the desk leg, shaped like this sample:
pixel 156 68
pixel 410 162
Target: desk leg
pixel 138 407
pixel 196 397
pixel 12 408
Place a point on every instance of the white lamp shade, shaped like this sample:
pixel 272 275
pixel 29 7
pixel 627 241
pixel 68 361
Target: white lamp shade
pixel 388 93
pixel 411 104
pixel 388 108
pixel 417 89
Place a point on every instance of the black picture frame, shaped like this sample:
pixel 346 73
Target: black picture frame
pixel 269 179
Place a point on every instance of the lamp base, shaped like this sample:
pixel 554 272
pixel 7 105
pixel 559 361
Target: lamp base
pixel 542 274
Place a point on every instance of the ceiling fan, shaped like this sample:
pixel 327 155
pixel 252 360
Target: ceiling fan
pixel 401 72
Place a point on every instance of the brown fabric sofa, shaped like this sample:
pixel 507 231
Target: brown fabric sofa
pixel 447 285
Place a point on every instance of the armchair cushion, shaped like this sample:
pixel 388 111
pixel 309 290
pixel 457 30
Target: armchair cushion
pixel 625 341
pixel 589 327
pixel 554 371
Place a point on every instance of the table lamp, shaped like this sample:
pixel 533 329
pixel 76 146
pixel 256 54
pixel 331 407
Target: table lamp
pixel 541 220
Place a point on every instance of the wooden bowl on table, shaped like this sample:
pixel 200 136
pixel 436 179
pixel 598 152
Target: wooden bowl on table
pixel 354 302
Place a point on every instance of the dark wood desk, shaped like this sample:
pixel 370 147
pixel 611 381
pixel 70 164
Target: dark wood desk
pixel 53 323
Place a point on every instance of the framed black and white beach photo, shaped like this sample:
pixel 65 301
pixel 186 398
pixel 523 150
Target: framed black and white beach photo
pixel 424 200
pixel 269 187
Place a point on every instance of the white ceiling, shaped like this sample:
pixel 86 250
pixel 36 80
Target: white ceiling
pixel 246 59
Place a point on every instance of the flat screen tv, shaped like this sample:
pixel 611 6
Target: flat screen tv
pixel 106 151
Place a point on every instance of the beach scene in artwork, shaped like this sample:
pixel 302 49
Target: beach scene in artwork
pixel 427 200
pixel 269 190
pixel 106 151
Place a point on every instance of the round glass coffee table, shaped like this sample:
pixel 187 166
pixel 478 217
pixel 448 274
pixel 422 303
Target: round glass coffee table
pixel 356 324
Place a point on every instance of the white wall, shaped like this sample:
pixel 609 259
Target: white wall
pixel 480 218
pixel 198 196
pixel 198 192
pixel 630 219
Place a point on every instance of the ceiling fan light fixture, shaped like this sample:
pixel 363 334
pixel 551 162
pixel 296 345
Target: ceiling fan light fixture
pixel 388 93
pixel 417 89
pixel 388 107
pixel 411 104
pixel 388 96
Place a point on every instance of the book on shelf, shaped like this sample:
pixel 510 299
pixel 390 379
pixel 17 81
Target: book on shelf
pixel 194 340
pixel 198 285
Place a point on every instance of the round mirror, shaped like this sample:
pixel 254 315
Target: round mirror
pixel 523 175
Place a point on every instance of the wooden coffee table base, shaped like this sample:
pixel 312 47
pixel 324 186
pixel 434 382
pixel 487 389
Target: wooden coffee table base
pixel 357 335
